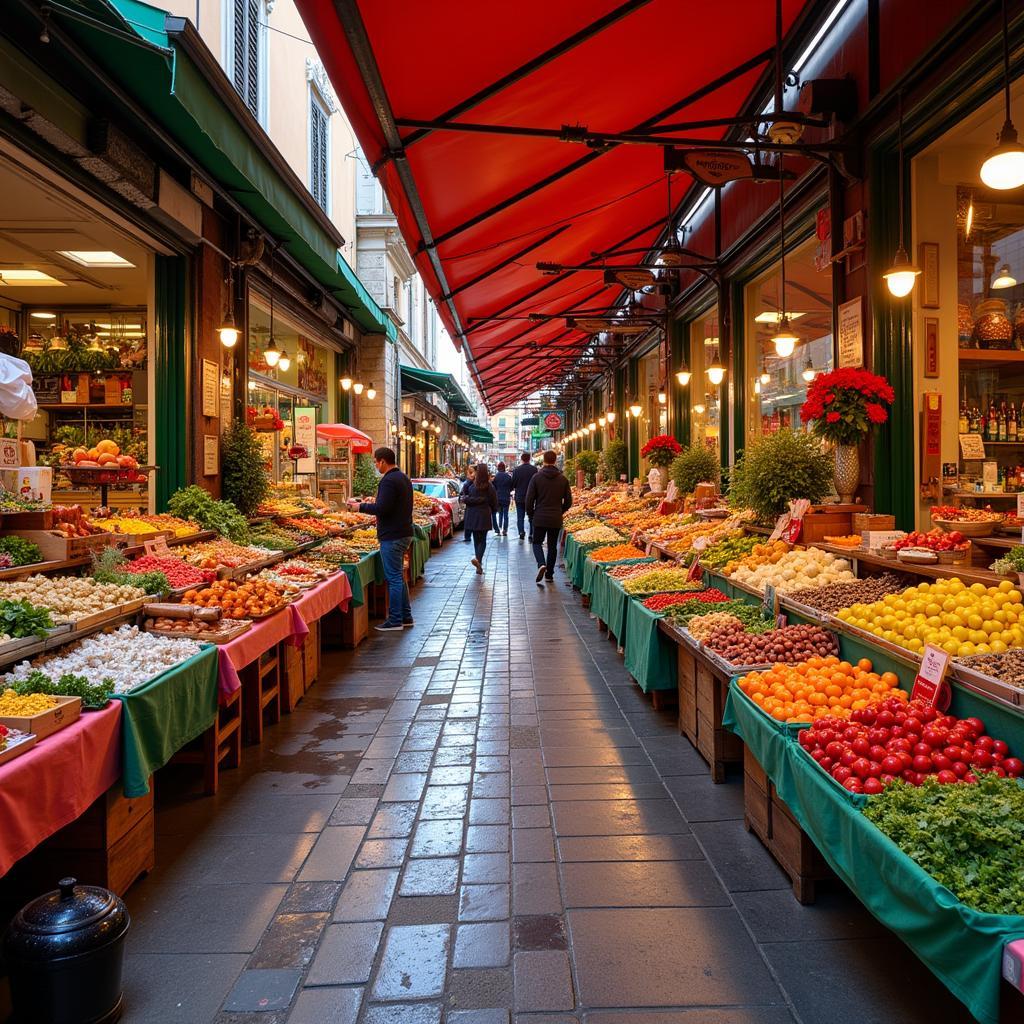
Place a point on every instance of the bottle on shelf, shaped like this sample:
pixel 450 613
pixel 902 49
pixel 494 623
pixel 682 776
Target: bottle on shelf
pixel 990 422
pixel 963 426
pixel 1011 425
pixel 974 426
pixel 1001 422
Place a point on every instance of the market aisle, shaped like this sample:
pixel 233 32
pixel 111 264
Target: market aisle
pixel 482 820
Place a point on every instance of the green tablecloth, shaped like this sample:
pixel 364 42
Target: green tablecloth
pixel 650 655
pixel 369 569
pixel 572 555
pixel 960 946
pixel 601 588
pixel 420 551
pixel 160 717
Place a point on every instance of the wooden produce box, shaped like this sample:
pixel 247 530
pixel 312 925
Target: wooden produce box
pixel 355 624
pixel 311 655
pixel 702 691
pixel 827 521
pixel 55 547
pixel 765 814
pixel 293 681
pixel 863 522
pixel 46 723
pixel 111 844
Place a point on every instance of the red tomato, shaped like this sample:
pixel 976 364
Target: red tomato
pixel 872 786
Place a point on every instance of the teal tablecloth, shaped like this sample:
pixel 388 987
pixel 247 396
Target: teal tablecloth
pixel 420 551
pixel 650 655
pixel 572 555
pixel 600 592
pixel 960 946
pixel 160 717
pixel 369 569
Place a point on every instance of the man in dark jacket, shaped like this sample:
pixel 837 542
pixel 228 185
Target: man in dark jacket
pixel 503 486
pixel 521 477
pixel 548 498
pixel 393 509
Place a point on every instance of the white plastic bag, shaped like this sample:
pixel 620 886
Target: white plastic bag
pixel 17 399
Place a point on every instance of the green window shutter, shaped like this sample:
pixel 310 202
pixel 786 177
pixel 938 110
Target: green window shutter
pixel 170 446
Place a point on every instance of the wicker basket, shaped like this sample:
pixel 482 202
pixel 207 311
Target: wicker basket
pixel 953 557
pixel 968 529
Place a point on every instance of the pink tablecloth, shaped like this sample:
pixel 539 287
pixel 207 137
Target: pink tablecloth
pixel 288 624
pixel 57 781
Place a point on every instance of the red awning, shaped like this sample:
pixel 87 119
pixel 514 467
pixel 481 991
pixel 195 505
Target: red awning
pixel 343 432
pixel 479 209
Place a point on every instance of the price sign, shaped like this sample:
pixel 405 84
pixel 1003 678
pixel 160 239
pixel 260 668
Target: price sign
pixel 700 543
pixel 1020 504
pixel 972 446
pixel 157 547
pixel 771 601
pixel 929 685
pixel 695 570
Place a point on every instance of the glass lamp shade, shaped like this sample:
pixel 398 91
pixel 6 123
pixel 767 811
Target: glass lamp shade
pixel 635 410
pixel 1004 279
pixel 346 383
pixel 757 387
pixel 716 373
pixel 662 397
pixel 271 354
pixel 809 373
pixel 601 421
pixel 1004 166
pixel 901 277
pixel 425 424
pixel 357 387
pixel 371 392
pixel 699 409
pixel 683 376
pixel 765 378
pixel 228 332
pixel 284 360
pixel 784 339
pixel 611 416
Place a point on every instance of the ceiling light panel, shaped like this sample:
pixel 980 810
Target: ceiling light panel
pixel 96 258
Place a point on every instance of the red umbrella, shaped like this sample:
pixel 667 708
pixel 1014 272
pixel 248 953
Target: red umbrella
pixel 343 432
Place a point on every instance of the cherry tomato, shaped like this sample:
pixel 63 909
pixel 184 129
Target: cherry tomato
pixel 873 786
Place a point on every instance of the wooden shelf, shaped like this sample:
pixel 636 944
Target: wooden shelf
pixel 1001 444
pixel 87 405
pixel 1005 495
pixel 981 356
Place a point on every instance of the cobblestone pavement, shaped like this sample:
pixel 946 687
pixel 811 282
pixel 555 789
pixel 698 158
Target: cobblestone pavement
pixel 483 821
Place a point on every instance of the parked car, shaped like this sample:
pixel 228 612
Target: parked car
pixel 444 490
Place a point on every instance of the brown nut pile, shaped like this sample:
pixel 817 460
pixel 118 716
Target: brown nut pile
pixel 833 596
pixel 788 645
pixel 1007 667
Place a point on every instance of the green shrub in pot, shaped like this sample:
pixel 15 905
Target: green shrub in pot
pixel 694 465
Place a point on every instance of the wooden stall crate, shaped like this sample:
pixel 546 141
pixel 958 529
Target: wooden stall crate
pixel 293 680
pixel 767 816
pixel 311 655
pixel 112 844
pixel 261 694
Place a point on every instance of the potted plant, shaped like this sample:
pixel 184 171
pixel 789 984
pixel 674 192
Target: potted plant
pixel 244 478
pixel 777 468
pixel 694 465
pixel 613 460
pixel 842 406
pixel 660 451
pixel 587 461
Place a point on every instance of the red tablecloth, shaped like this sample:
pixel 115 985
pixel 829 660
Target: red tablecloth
pixel 288 624
pixel 57 781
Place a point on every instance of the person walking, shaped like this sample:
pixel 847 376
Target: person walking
pixel 548 498
pixel 393 509
pixel 467 486
pixel 521 477
pixel 481 501
pixel 503 485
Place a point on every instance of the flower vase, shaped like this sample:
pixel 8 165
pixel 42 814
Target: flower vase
pixel 846 476
pixel 663 475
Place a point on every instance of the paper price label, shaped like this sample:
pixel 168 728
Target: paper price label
pixel 157 547
pixel 771 601
pixel 1020 504
pixel 930 684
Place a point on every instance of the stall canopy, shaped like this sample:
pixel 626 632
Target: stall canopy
pixel 416 381
pixel 163 64
pixel 475 432
pixel 359 441
pixel 479 202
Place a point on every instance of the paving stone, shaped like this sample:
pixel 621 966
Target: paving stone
pixel 492 784
pixel 652 884
pixel 308 898
pixel 487 839
pixel 488 902
pixel 479 988
pixel 477 1017
pixel 393 821
pixel 617 817
pixel 334 1005
pixel 739 857
pixel 646 847
pixel 445 802
pixel 372 771
pixel 430 877
pixel 346 954
pixel 438 838
pixel 456 775
pixel 533 844
pixel 331 857
pixel 535 889
pixel 367 895
pixel 542 981
pixel 408 786
pixel 482 945
pixel 418 1013
pixel 703 1015
pixel 489 812
pixel 413 761
pixel 413 964
pixel 290 941
pixel 263 990
pixel 531 816
pixel 485 867
pixel 349 811
pixel 539 931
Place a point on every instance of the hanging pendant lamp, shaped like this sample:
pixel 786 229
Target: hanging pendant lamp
pixel 783 339
pixel 901 277
pixel 271 354
pixel 1004 166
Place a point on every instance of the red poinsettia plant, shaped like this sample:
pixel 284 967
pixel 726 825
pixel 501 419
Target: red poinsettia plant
pixel 843 405
pixel 265 419
pixel 661 450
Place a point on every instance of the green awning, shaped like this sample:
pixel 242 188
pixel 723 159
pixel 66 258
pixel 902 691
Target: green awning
pixel 145 54
pixel 475 432
pixel 417 381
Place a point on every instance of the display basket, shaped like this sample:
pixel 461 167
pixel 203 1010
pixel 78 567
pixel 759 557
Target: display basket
pixel 93 476
pixel 983 529
pixel 17 748
pixel 954 557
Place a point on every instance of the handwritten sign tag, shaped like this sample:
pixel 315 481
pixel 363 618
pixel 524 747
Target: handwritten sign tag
pixel 157 547
pixel 930 685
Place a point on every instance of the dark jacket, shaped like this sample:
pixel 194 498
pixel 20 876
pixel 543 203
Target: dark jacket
pixel 521 477
pixel 480 506
pixel 548 498
pixel 393 507
pixel 503 484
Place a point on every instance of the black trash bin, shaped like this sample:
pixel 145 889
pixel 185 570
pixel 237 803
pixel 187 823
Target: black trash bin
pixel 65 953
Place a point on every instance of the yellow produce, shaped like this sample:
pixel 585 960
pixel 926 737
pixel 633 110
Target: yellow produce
pixel 14 706
pixel 961 619
pixel 121 524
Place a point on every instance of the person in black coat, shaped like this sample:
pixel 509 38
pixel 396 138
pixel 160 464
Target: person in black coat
pixel 521 477
pixel 504 486
pixel 481 501
pixel 548 498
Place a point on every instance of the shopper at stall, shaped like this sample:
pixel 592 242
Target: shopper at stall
pixel 521 477
pixel 481 501
pixel 503 485
pixel 548 498
pixel 393 509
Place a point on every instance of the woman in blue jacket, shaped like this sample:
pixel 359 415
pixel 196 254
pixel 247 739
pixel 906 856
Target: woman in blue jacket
pixel 481 501
pixel 503 487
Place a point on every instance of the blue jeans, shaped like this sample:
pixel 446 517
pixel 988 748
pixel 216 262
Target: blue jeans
pixel 499 519
pixel 392 554
pixel 521 518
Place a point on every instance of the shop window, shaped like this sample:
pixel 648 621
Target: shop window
pixel 705 397
pixel 247 58
pixel 319 150
pixel 776 383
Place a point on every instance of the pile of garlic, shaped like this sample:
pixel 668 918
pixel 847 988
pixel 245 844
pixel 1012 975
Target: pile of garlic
pixel 127 656
pixel 69 597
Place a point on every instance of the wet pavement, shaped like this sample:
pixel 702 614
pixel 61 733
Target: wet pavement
pixel 483 821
